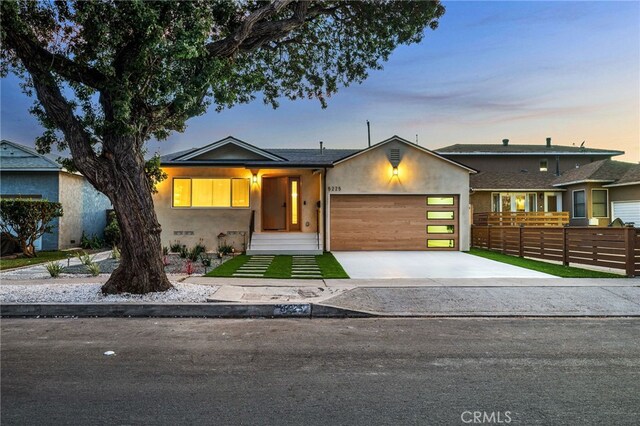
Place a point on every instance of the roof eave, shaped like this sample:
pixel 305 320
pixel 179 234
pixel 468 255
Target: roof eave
pixel 611 185
pixel 607 153
pixel 575 182
pixel 398 138
pixel 518 189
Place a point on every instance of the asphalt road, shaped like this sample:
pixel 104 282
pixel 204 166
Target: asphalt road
pixel 320 372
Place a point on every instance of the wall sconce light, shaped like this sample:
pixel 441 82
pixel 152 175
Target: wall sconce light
pixel 395 171
pixel 254 179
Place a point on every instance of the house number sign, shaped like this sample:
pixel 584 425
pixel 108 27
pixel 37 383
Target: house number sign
pixel 334 188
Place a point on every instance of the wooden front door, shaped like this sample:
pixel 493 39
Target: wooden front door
pixel 274 203
pixel 281 205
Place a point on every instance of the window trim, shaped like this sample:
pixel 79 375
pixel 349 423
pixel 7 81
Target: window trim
pixel 230 207
pixel 573 204
pixel 606 202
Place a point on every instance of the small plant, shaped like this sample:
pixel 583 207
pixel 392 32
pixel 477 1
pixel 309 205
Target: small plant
pixel 94 269
pixel 115 253
pixel 188 267
pixel 205 259
pixel 184 253
pixel 165 250
pixel 91 242
pixel 54 269
pixel 225 249
pixel 175 247
pixel 85 258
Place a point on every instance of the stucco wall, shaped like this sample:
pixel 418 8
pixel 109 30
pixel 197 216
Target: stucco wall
pixel 44 184
pixel 624 193
pixel 94 210
pixel 189 225
pixel 418 173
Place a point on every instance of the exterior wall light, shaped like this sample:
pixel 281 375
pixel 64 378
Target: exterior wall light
pixel 395 171
pixel 254 179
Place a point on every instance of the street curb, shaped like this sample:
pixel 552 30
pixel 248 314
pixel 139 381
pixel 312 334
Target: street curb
pixel 256 310
pixel 184 310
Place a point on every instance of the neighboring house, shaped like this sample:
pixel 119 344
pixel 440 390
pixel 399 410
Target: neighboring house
pixel 599 192
pixel 26 174
pixel 394 195
pixel 519 178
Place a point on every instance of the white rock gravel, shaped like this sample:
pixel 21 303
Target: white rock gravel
pixel 90 293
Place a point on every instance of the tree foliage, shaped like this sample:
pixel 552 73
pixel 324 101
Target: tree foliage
pixel 110 75
pixel 24 221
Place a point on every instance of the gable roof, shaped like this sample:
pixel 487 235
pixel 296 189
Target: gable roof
pixel 631 177
pixel 397 138
pixel 193 154
pixel 500 149
pixel 513 181
pixel 603 171
pixel 17 157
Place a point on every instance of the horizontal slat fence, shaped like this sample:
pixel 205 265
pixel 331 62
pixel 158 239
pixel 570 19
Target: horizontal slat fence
pixel 617 248
pixel 521 218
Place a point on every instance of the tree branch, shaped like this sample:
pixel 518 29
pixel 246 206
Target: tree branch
pixel 15 34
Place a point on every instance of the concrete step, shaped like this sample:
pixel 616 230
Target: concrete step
pixel 285 236
pixel 287 251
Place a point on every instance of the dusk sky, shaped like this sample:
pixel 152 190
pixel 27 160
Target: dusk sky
pixel 492 70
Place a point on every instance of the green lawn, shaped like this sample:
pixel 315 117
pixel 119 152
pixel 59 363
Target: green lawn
pixel 547 268
pixel 42 257
pixel 281 267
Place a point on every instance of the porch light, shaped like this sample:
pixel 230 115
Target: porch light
pixel 254 179
pixel 395 171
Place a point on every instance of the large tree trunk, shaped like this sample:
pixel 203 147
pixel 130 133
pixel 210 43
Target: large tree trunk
pixel 141 269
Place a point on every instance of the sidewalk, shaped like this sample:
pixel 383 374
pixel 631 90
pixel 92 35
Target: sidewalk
pixel 386 297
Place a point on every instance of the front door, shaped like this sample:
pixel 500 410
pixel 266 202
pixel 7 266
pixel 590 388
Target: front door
pixel 281 203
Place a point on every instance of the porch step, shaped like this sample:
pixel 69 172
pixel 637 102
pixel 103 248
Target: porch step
pixel 305 243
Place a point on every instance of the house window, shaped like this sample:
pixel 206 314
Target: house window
pixel 495 202
pixel 440 229
pixel 440 201
pixel 544 165
pixel 599 203
pixel 209 192
pixel 440 243
pixel 579 205
pixel 440 215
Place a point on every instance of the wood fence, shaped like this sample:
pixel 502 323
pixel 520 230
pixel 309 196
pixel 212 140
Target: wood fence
pixel 617 248
pixel 521 218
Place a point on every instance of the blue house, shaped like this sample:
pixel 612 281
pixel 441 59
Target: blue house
pixel 26 174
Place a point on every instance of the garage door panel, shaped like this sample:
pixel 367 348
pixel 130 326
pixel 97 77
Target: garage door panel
pixel 381 222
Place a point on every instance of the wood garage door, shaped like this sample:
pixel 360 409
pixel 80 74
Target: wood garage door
pixel 394 222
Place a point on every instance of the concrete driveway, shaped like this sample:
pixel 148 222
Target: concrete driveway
pixel 420 264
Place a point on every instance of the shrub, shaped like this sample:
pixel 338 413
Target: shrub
pixel 165 250
pixel 92 242
pixel 175 247
pixel 112 231
pixel 94 269
pixel 195 252
pixel 54 269
pixel 24 221
pixel 184 253
pixel 225 249
pixel 188 267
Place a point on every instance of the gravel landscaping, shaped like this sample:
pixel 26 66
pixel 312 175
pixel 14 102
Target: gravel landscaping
pixel 90 293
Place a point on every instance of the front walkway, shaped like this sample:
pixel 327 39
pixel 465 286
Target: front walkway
pixel 421 264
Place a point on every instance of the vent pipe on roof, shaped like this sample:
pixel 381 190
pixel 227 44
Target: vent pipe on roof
pixel 321 148
pixel 369 132
pixel 548 142
pixel 505 142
